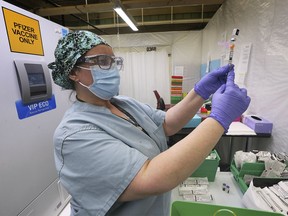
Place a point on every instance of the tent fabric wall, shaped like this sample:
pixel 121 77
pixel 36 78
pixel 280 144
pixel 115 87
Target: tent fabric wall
pixel 264 24
pixel 143 73
pixel 184 49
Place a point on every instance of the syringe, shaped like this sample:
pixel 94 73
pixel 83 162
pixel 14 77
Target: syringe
pixel 232 44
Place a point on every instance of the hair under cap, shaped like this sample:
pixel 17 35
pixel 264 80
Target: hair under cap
pixel 69 49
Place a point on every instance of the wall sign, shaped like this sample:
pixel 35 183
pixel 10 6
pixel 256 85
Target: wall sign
pixel 23 33
pixel 25 111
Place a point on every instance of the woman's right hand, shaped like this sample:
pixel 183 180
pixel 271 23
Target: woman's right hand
pixel 229 102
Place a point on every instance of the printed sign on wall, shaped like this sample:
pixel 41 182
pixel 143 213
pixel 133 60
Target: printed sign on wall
pixel 23 33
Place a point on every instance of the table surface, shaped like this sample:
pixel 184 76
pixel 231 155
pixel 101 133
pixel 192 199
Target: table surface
pixel 236 129
pixel 220 197
pixel 233 198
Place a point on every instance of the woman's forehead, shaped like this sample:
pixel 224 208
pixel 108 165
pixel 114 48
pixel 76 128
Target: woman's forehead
pixel 100 49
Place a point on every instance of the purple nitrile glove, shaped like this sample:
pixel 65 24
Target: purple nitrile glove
pixel 229 102
pixel 212 81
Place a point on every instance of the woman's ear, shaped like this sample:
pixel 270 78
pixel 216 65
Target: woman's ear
pixel 74 75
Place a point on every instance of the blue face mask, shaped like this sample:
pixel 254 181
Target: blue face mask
pixel 105 82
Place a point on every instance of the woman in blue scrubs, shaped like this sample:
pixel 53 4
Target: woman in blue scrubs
pixel 111 151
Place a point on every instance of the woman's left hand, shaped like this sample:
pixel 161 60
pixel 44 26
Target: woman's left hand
pixel 212 81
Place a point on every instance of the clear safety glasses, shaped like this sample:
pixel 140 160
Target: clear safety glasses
pixel 105 62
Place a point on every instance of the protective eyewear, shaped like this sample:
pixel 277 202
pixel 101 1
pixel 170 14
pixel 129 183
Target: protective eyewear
pixel 105 62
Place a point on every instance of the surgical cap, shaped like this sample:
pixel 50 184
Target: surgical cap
pixel 69 49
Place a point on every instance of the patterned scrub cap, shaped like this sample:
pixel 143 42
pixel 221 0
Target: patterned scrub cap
pixel 69 49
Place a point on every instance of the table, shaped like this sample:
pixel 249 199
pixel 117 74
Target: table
pixel 236 129
pixel 233 198
pixel 220 197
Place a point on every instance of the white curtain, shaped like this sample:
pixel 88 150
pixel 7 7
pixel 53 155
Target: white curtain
pixel 144 72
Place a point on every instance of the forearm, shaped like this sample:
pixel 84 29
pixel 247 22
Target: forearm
pixel 168 169
pixel 180 114
pixel 178 162
pixel 171 167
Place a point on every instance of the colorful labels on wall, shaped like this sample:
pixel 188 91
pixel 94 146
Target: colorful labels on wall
pixel 176 89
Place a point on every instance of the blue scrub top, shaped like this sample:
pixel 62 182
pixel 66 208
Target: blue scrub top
pixel 98 154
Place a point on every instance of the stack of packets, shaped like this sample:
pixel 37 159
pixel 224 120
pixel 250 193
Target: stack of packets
pixel 276 164
pixel 273 198
pixel 176 89
pixel 195 189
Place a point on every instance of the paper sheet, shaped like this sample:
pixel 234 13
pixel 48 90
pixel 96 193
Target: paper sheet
pixel 243 64
pixel 178 71
pixel 238 128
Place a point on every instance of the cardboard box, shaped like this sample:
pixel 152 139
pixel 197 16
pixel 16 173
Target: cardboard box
pixel 258 124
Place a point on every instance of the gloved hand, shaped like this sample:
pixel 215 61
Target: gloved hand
pixel 229 102
pixel 212 81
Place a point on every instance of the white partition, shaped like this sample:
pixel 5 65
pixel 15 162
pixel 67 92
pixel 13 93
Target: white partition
pixel 28 179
